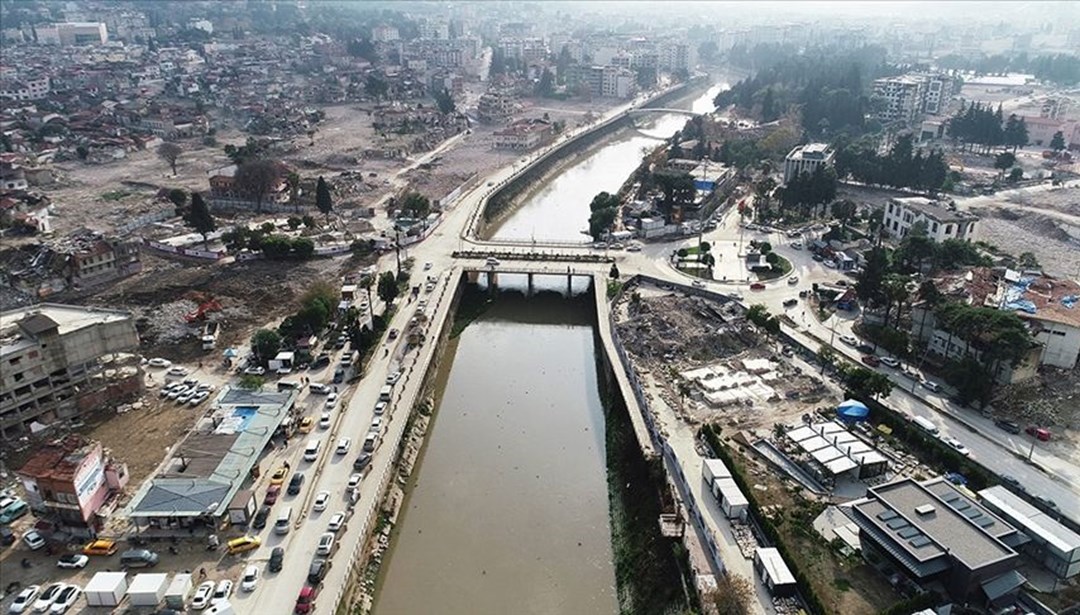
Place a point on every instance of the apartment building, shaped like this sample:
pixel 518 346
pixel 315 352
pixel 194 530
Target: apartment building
pixel 71 479
pixel 806 159
pixel 524 134
pixel 384 34
pixel 24 89
pixel 607 81
pixel 50 355
pixel 72 33
pixel 935 536
pixel 941 222
pixel 900 98
pixel 938 93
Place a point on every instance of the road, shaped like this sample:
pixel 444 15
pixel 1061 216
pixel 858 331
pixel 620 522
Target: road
pixel 331 472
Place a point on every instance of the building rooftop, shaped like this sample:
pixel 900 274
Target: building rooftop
pixel 204 472
pixel 933 209
pixel 1031 295
pixel 810 151
pixel 776 566
pixel 926 525
pixel 58 460
pixel 19 325
pixel 1031 520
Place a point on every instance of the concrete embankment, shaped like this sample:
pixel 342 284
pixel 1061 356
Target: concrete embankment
pixel 507 196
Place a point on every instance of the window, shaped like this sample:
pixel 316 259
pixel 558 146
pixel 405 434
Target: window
pixel 933 229
pixel 948 229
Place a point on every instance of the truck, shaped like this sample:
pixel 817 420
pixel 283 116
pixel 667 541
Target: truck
pixel 210 335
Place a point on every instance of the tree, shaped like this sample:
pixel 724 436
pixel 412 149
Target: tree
pixel 81 151
pixel 415 205
pixel 265 344
pixel 545 87
pixel 199 218
pixel 603 210
pixel 251 382
pixel 868 284
pixel 826 355
pixel 322 198
pixel 731 596
pixel 178 197
pixel 170 153
pixel 388 289
pixel 1003 162
pixel 1016 132
pixel 844 210
pixel 1057 143
pixel 1027 260
pixel 366 282
pixel 1015 175
pixel 376 87
pixel 256 179
pixel 445 102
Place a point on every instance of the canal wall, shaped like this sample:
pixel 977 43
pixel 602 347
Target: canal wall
pixel 507 195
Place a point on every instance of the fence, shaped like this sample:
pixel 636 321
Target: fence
pixel 186 252
pixel 145 219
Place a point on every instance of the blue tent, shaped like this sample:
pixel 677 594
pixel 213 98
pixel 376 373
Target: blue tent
pixel 852 411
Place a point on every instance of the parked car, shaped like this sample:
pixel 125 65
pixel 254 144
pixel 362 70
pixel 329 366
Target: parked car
pixel 203 594
pixel 757 286
pixel 100 546
pixel 66 599
pixel 296 484
pixel 958 446
pixel 242 544
pixel 250 579
pixel 317 571
pixel 259 522
pixel 1047 502
pixel 354 481
pixel 72 560
pixel 849 340
pixel 159 362
pixel 326 544
pixel 891 362
pixel 25 599
pixel 34 540
pixel 1010 426
pixel 336 522
pixel 793 280
pixel 393 377
pixel 931 386
pixel 272 493
pixel 698 284
pixel 865 348
pixel 48 597
pixel 138 558
pixel 222 591
pixel 1039 433
pixel 277 559
pixel 255 370
pixel 788 303
pixel 306 600
pixel 343 445
pixel 871 360
pixel 177 370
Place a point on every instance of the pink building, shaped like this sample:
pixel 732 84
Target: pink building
pixel 71 480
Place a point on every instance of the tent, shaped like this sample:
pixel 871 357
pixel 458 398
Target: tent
pixel 231 353
pixel 852 411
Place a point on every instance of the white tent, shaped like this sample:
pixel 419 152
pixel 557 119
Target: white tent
pixel 148 589
pixel 106 589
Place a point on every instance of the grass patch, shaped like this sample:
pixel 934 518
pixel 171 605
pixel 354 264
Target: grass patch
pixel 780 269
pixel 613 288
pixel 115 195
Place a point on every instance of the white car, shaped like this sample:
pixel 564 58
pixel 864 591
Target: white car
pixel 793 280
pixel 177 370
pixel 222 591
pixel 331 401
pixel 65 599
pixel 284 370
pixel 325 420
pixel 177 392
pixel 891 362
pixel 326 544
pixel 321 500
pixel 959 446
pixel 199 398
pixel 250 578
pixel 354 481
pixel 34 540
pixel 380 408
pixel 698 284
pixel 159 362
pixel 336 522
pixel 203 595
pixel 427 266
pixel 393 377
pixel 25 599
pixel 849 340
pixel 185 397
pixel 931 386
pixel 72 560
pixel 633 248
pixel 256 370
pixel 343 445
pixel 204 386
pixel 48 597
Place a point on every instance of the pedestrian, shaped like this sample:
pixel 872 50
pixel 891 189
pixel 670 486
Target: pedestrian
pixel 202 573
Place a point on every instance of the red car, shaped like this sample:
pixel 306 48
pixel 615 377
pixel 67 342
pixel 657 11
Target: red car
pixel 271 495
pixel 871 360
pixel 757 286
pixel 306 600
pixel 1039 433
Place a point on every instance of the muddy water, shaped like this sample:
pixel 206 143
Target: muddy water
pixel 509 513
pixel 559 211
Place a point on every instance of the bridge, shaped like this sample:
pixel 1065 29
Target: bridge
pixel 644 110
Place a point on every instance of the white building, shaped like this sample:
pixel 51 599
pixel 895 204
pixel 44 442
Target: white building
pixel 938 93
pixel 618 83
pixel 25 89
pixel 73 33
pixel 901 98
pixel 384 34
pixel 941 222
pixel 677 57
pixel 439 30
pixel 806 159
pixel 523 134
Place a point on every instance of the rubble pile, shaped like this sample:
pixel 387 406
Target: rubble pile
pixel 671 328
pixel 1051 398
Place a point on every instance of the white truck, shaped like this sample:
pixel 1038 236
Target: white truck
pixel 210 334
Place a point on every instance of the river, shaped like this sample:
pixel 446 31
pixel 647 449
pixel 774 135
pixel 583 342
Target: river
pixel 559 211
pixel 509 511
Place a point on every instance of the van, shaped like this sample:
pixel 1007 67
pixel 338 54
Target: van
pixel 284 521
pixel 371 442
pixel 926 425
pixel 138 558
pixel 319 388
pixel 311 451
pixel 14 511
pixel 376 425
pixel 288 385
pixel 384 394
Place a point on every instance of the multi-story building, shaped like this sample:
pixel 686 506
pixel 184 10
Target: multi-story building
pixel 941 222
pixel 528 50
pixel 806 159
pixel 938 92
pixel 900 99
pixel 936 536
pixel 1052 544
pixel 225 192
pixel 677 57
pixel 495 106
pixel 24 89
pixel 432 29
pixel 73 33
pixel 95 259
pixel 524 134
pixel 1046 304
pixel 384 34
pixel 608 81
pixel 49 354
pixel 72 480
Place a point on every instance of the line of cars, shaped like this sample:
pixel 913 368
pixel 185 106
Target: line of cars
pixel 188 391
pixel 56 598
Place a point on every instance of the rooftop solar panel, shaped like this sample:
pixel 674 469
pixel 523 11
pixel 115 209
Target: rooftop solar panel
pixel 920 541
pixel 908 532
pixel 895 524
pixel 885 515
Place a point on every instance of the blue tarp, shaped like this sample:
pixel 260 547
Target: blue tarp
pixel 852 410
pixel 1014 297
pixel 1070 301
